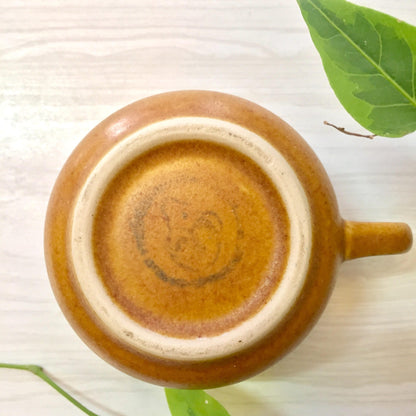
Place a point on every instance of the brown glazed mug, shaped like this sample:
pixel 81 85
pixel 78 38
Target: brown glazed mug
pixel 192 239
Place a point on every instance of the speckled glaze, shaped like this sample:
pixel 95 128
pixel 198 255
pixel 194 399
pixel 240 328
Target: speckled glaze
pixel 215 313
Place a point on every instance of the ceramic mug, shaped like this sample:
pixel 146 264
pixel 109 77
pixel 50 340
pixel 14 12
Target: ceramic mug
pixel 192 239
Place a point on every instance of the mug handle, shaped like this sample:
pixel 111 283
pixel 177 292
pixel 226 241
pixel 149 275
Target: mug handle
pixel 363 239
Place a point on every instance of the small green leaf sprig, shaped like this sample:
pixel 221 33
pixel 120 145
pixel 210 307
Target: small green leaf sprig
pixel 181 402
pixel 39 371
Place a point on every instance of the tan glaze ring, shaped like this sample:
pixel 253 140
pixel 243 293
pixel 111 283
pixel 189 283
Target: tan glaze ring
pixel 192 239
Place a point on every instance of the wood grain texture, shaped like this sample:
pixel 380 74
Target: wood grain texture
pixel 65 66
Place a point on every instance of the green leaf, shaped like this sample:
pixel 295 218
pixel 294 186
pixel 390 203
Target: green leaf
pixel 370 60
pixel 193 403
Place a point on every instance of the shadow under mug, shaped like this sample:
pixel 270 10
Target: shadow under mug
pixel 192 239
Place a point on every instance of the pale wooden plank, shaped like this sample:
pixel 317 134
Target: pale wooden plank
pixel 64 67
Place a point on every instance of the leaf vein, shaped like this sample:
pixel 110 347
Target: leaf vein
pixel 392 105
pixel 380 53
pixel 380 42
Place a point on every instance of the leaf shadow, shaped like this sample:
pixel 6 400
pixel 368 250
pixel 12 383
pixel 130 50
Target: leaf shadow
pixel 84 398
pixel 239 401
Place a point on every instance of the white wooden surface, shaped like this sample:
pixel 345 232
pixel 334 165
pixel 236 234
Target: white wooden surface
pixel 65 65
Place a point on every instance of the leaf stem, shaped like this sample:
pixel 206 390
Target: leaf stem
pixel 342 130
pixel 38 371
